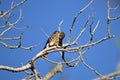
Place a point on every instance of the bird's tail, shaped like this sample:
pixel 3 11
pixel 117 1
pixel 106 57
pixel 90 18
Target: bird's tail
pixel 44 56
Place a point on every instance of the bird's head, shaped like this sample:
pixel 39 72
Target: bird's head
pixel 62 35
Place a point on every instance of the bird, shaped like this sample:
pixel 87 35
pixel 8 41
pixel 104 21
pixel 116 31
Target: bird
pixel 55 39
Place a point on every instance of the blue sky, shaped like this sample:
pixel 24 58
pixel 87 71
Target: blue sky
pixel 46 15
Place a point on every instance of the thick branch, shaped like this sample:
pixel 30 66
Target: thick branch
pixel 55 70
pixel 7 68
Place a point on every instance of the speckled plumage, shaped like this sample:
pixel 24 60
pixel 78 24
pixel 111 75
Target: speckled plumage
pixel 54 40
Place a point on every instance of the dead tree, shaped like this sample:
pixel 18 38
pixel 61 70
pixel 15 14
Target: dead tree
pixel 78 49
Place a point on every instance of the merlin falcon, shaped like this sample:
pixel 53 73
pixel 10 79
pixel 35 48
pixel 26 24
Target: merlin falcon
pixel 54 40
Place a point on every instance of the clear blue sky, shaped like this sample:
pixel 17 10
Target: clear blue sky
pixel 46 15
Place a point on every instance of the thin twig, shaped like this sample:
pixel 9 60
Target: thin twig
pixel 44 33
pixel 115 8
pixel 19 18
pixel 83 30
pixel 115 18
pixel 66 62
pixel 59 25
pixel 3 26
pixel 109 76
pixel 108 19
pixel 6 30
pixel 14 38
pixel 12 8
pixel 22 28
pixel 89 67
pixel 95 27
pixel 91 38
pixel 8 46
pixel 93 31
pixel 30 47
pixel 28 78
pixel 76 16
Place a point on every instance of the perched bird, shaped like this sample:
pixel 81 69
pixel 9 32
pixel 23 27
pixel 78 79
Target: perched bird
pixel 54 40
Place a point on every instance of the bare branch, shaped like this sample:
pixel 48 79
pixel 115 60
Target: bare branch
pixel 83 30
pixel 12 3
pixel 7 68
pixel 91 38
pixel 76 60
pixel 51 61
pixel 109 76
pixel 75 49
pixel 20 16
pixel 28 73
pixel 95 27
pixel 44 33
pixel 3 26
pixel 9 28
pixel 36 74
pixel 115 18
pixel 56 69
pixel 8 46
pixel 27 66
pixel 14 38
pixel 64 48
pixel 12 8
pixel 28 78
pixel 66 62
pixel 115 8
pixel 97 42
pixel 93 31
pixel 59 25
pixel 109 18
pixel 30 47
pixel 76 16
pixel 23 28
pixel 89 67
